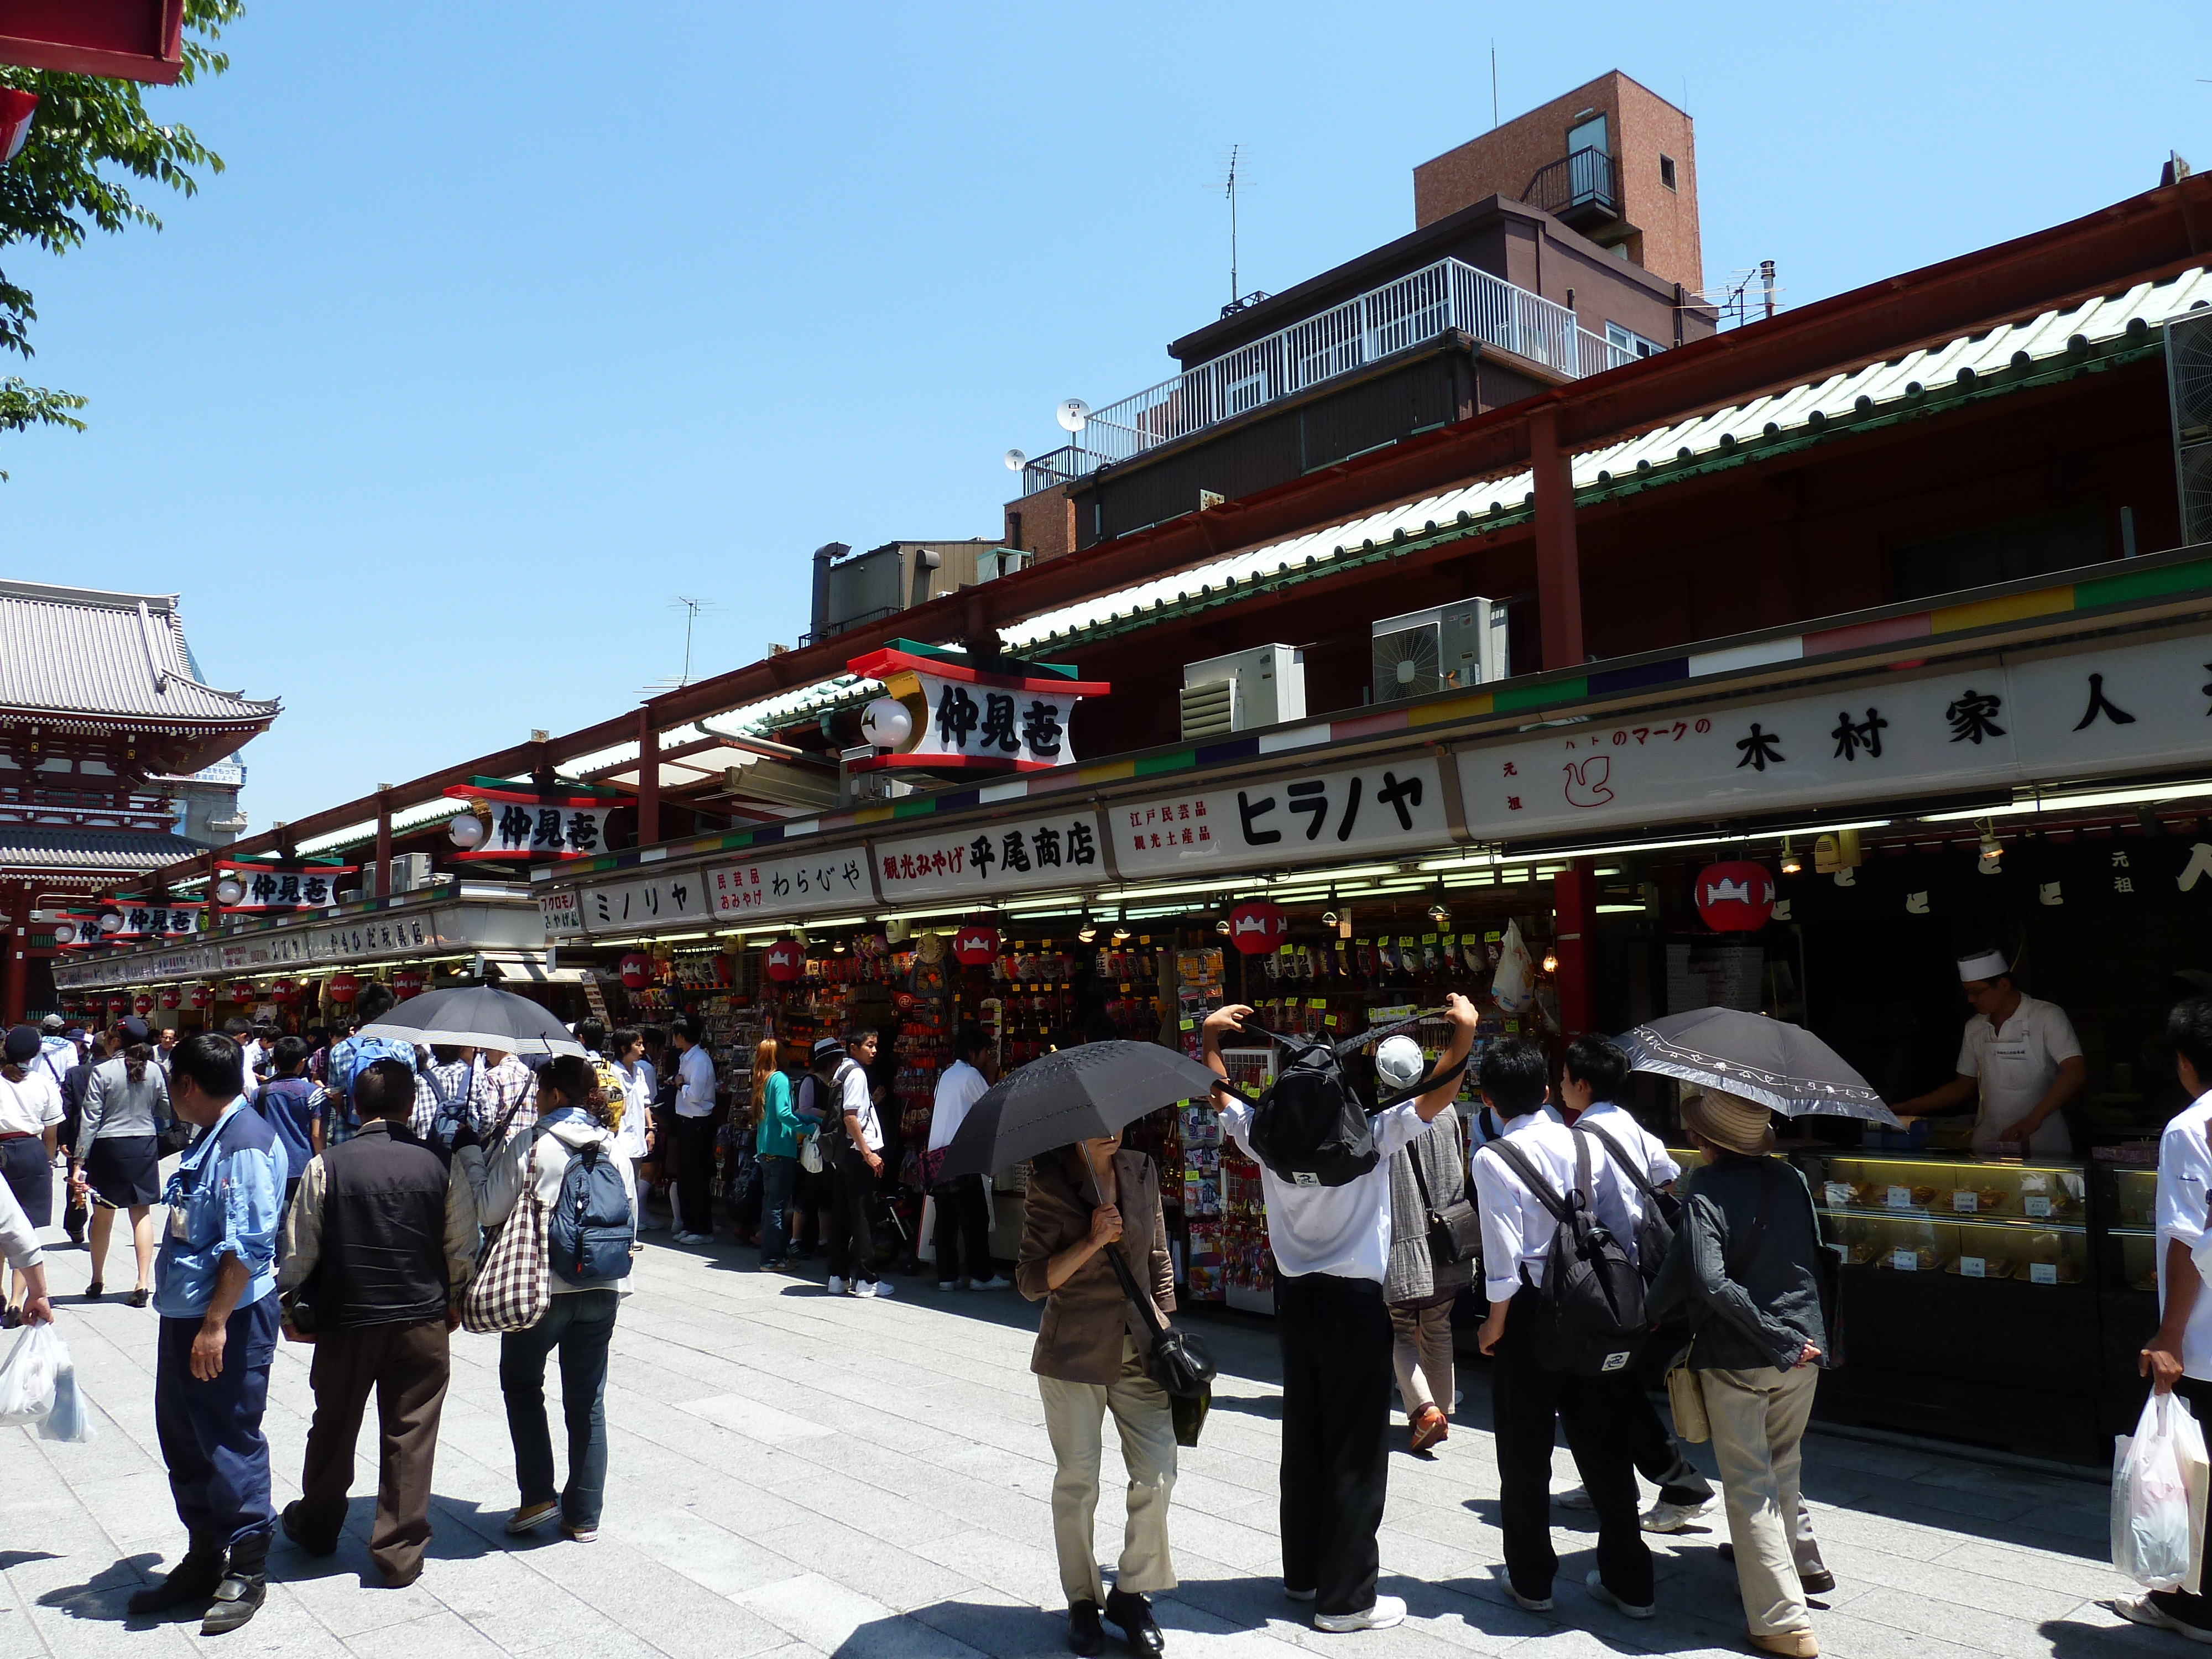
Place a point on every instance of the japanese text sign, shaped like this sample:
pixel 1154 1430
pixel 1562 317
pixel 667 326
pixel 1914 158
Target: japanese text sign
pixel 987 859
pixel 1292 818
pixel 641 905
pixel 143 922
pixel 789 886
pixel 967 720
pixel 269 887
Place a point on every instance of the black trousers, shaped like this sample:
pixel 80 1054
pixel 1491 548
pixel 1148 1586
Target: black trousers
pixel 963 1229
pixel 2195 1611
pixel 1657 1455
pixel 1337 1385
pixel 694 1173
pixel 852 1240
pixel 1525 1400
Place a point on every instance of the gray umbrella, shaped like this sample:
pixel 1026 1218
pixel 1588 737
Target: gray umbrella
pixel 1781 1066
pixel 1072 1095
pixel 476 1016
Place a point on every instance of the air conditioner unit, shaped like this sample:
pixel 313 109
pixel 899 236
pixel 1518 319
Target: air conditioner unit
pixel 2189 388
pixel 410 871
pixel 1263 686
pixel 1447 647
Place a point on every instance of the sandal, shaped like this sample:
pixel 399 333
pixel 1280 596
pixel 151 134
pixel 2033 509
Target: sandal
pixel 140 1298
pixel 1429 1426
pixel 94 1291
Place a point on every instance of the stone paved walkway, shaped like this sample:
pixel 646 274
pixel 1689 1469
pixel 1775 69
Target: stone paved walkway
pixel 795 1475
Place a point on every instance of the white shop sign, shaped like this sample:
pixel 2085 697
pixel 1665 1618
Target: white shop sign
pixel 986 722
pixel 2124 709
pixel 765 887
pixel 648 903
pixel 563 913
pixel 986 861
pixel 1294 819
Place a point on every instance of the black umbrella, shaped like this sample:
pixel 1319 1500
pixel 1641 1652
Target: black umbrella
pixel 476 1016
pixel 1072 1094
pixel 1781 1066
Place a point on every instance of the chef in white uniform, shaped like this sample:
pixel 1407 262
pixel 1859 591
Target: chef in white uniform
pixel 2019 1056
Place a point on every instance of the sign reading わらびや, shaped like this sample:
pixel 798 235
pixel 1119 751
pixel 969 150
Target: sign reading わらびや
pixel 2071 715
pixel 965 718
pixel 1292 819
pixel 987 859
pixel 789 886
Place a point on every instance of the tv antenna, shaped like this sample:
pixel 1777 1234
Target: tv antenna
pixel 1229 188
pixel 693 609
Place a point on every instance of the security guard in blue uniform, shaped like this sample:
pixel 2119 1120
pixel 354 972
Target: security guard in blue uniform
pixel 214 1287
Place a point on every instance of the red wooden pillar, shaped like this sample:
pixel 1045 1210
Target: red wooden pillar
pixel 1574 911
pixel 1558 568
pixel 14 980
pixel 383 842
pixel 648 780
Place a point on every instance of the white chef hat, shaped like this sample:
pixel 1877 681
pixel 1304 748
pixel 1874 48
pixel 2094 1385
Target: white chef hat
pixel 1398 1062
pixel 1983 964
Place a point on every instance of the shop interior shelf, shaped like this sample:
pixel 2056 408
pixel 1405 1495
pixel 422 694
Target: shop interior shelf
pixel 1944 1218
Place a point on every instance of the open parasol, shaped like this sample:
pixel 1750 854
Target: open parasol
pixel 1783 1066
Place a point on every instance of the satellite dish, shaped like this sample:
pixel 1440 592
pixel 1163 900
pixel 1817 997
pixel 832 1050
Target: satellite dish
pixel 1016 460
pixel 1072 413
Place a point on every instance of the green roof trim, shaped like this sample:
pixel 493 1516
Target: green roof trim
pixel 2133 585
pixel 1180 760
pixel 1536 697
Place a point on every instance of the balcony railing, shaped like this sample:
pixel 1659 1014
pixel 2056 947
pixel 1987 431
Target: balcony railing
pixel 1584 187
pixel 1450 295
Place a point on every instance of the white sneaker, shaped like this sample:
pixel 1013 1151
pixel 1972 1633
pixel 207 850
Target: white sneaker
pixel 1664 1516
pixel 1575 1499
pixel 836 1285
pixel 1388 1610
pixel 1529 1603
pixel 881 1288
pixel 1596 1585
pixel 2141 1610
pixel 994 1282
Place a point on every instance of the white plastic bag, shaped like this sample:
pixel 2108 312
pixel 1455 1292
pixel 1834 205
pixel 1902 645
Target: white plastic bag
pixel 26 1379
pixel 71 1418
pixel 1512 987
pixel 2152 1473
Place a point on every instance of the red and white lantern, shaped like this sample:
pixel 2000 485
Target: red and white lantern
pixel 201 996
pixel 343 987
pixel 1258 926
pixel 784 960
pixel 636 971
pixel 170 999
pixel 16 109
pixel 142 1004
pixel 282 992
pixel 119 1006
pixel 972 947
pixel 407 982
pixel 1736 897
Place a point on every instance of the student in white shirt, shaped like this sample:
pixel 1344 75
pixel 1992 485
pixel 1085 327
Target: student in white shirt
pixel 30 1127
pixel 856 1136
pixel 964 1203
pixel 1593 1071
pixel 2178 1359
pixel 1526 1396
pixel 696 1112
pixel 1331 1247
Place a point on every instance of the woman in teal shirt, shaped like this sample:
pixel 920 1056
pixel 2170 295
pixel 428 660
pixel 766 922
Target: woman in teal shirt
pixel 776 1144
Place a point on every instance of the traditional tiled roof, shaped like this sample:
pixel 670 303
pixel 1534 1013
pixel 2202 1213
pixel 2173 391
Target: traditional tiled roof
pixel 35 847
pixel 76 651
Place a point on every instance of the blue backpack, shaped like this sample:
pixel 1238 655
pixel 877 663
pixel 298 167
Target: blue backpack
pixel 589 1234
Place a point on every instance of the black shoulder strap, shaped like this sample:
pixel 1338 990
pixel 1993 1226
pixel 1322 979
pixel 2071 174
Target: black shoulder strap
pixel 1517 1161
pixel 1583 1173
pixel 1415 1091
pixel 1620 1157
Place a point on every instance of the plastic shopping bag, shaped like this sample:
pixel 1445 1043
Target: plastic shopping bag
pixel 71 1418
pixel 1510 988
pixel 26 1378
pixel 2152 1507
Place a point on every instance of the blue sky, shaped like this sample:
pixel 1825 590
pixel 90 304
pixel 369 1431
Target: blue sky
pixel 511 322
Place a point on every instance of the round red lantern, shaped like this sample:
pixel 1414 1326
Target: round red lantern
pixel 974 946
pixel 201 996
pixel 281 991
pixel 1737 897
pixel 1258 926
pixel 170 999
pixel 142 1004
pixel 343 987
pixel 784 960
pixel 118 1005
pixel 636 971
pixel 407 982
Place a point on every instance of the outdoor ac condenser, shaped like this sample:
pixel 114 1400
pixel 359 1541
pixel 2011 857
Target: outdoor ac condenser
pixel 410 871
pixel 1447 647
pixel 2189 387
pixel 1263 686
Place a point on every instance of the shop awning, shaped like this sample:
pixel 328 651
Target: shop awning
pixel 533 968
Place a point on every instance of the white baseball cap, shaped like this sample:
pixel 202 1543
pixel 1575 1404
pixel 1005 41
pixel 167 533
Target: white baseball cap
pixel 1398 1062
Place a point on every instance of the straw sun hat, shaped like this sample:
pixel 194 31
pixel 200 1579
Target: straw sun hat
pixel 1729 1121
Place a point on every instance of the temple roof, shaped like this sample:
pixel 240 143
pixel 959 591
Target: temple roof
pixel 76 651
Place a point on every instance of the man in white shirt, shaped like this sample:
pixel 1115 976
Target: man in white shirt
pixel 858 1166
pixel 964 1203
pixel 1332 1248
pixel 2178 1359
pixel 694 1136
pixel 2019 1056
pixel 1526 1396
pixel 1593 1072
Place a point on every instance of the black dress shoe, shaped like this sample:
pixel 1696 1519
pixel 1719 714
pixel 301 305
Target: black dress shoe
pixel 289 1520
pixel 1133 1614
pixel 1812 1583
pixel 1085 1635
pixel 193 1579
pixel 244 1588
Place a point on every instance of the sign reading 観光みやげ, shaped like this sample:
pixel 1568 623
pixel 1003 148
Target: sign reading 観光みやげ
pixel 987 859
pixel 2074 715
pixel 789 886
pixel 1296 817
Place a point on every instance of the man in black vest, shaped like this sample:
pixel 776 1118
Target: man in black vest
pixel 378 1241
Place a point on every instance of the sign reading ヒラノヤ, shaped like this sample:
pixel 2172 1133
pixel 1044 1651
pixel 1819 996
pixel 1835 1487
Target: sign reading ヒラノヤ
pixel 2071 715
pixel 1293 818
pixel 987 859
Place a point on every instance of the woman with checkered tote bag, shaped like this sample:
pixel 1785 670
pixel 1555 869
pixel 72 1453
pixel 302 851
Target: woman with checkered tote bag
pixel 510 1289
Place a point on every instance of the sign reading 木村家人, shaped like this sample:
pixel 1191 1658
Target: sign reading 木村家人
pixel 1296 817
pixel 789 886
pixel 2077 714
pixel 989 859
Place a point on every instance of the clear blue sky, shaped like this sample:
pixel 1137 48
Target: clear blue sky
pixel 510 322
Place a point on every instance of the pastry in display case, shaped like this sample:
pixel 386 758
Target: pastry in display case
pixel 2127 1203
pixel 1967 1217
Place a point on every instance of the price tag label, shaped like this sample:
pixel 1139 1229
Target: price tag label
pixel 1972 1267
pixel 1837 1192
pixel 1966 1203
pixel 1905 1262
pixel 1899 1198
pixel 2043 1273
pixel 2036 1206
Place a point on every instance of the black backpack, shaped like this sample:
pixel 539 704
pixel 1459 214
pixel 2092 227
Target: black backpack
pixel 1662 1212
pixel 830 1099
pixel 1309 1126
pixel 1590 1306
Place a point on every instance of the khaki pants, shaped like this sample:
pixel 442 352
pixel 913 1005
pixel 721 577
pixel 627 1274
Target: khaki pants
pixel 1422 1353
pixel 1758 1420
pixel 1074 1416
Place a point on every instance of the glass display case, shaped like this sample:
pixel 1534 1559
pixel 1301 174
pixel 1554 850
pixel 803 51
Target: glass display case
pixel 1967 1218
pixel 2128 1198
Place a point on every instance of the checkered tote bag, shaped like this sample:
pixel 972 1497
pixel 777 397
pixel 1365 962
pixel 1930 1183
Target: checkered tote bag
pixel 510 1291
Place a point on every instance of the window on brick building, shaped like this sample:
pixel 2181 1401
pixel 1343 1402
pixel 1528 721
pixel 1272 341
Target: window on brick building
pixel 1667 171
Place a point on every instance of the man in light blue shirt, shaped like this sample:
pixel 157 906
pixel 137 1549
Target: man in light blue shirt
pixel 350 1058
pixel 215 1285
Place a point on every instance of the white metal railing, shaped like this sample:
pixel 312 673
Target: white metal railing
pixel 1418 307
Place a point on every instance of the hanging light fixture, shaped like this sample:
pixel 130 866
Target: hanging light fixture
pixel 229 890
pixel 1089 931
pixel 1439 912
pixel 1551 961
pixel 1122 925
pixel 1791 863
pixel 1992 852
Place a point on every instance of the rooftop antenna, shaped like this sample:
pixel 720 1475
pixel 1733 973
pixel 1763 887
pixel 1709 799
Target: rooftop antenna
pixel 693 609
pixel 1229 189
pixel 1493 84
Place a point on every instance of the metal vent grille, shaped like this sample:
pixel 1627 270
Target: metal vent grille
pixel 1408 663
pixel 2189 370
pixel 2195 467
pixel 1209 711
